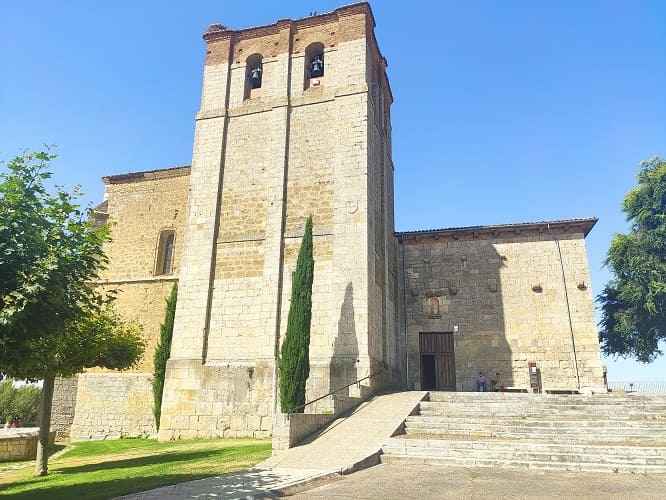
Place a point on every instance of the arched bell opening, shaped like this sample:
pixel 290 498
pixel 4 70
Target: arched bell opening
pixel 314 65
pixel 254 76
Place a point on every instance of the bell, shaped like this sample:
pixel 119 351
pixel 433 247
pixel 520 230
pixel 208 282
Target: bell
pixel 255 77
pixel 317 67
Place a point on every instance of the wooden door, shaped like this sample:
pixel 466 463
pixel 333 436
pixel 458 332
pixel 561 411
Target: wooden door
pixel 438 368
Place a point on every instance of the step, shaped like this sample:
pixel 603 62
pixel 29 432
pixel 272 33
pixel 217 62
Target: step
pixel 525 415
pixel 625 439
pixel 497 398
pixel 655 428
pixel 508 451
pixel 532 465
pixel 440 395
pixel 549 402
pixel 592 410
pixel 536 431
pixel 545 429
pixel 645 413
pixel 537 404
pixel 554 421
pixel 527 447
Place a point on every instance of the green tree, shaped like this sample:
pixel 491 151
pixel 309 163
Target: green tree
pixel 294 363
pixel 49 255
pixel 19 401
pixel 6 398
pixel 53 320
pixel 97 337
pixel 162 353
pixel 25 403
pixel 633 304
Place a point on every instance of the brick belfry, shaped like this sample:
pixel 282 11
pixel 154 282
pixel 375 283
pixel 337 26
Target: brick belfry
pixel 294 121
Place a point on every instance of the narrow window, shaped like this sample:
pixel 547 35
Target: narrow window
pixel 314 66
pixel 165 253
pixel 254 76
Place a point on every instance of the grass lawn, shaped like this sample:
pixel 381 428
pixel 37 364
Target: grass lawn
pixel 106 469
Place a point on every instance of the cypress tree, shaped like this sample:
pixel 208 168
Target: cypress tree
pixel 162 352
pixel 294 363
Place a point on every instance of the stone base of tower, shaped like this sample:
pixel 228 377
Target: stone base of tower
pixel 235 399
pixel 219 400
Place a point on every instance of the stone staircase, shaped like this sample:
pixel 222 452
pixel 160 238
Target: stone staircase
pixel 600 433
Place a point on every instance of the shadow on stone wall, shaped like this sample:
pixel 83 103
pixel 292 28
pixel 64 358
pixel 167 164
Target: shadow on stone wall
pixel 456 283
pixel 64 406
pixel 344 362
pixel 486 347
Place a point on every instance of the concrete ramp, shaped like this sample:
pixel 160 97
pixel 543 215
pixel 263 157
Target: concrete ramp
pixel 352 442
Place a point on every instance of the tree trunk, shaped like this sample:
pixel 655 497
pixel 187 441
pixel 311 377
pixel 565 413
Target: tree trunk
pixel 42 460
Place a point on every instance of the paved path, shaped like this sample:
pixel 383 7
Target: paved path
pixel 253 483
pixel 348 444
pixel 403 481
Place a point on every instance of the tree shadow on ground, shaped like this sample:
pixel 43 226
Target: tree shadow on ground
pixel 53 450
pixel 56 448
pixel 241 484
pixel 161 458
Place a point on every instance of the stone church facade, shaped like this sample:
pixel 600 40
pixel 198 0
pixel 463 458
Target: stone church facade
pixel 295 121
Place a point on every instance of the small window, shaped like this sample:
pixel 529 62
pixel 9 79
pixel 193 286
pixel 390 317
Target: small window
pixel 314 66
pixel 165 253
pixel 254 77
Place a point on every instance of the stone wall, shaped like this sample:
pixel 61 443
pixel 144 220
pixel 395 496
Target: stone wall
pixel 291 429
pixel 502 294
pixel 382 245
pixel 113 405
pixel 20 444
pixel 263 162
pixel 140 206
pixel 65 392
pixel 216 400
pixel 101 403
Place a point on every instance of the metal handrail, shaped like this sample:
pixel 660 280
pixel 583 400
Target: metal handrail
pixel 638 385
pixel 337 390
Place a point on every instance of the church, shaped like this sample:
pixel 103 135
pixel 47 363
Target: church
pixel 295 120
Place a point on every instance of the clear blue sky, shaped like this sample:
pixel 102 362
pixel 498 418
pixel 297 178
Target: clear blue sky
pixel 505 111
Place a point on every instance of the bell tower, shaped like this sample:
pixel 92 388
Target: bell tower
pixel 294 121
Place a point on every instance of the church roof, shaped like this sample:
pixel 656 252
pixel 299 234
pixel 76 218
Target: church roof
pixel 562 226
pixel 160 173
